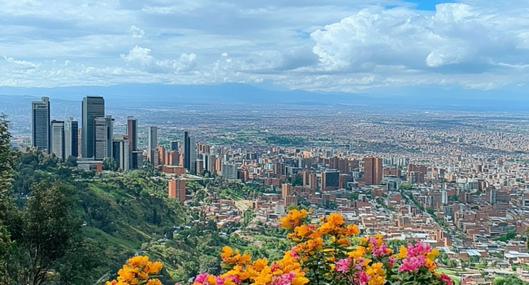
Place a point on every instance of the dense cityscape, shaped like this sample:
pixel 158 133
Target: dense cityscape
pixel 459 185
pixel 279 142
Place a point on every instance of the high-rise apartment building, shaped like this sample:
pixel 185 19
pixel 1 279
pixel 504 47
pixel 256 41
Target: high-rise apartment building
pixel 92 107
pixel 71 138
pixel 57 139
pixel 177 189
pixel 372 170
pixel 40 127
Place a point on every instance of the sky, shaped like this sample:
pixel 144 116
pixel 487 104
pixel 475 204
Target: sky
pixel 345 46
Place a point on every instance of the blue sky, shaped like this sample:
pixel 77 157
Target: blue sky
pixel 341 46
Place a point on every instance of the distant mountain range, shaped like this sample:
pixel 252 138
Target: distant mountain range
pixel 149 95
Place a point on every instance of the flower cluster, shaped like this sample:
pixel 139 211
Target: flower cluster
pixel 243 270
pixel 329 251
pixel 332 252
pixel 138 270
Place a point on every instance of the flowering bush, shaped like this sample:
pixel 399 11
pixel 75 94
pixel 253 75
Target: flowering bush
pixel 138 270
pixel 331 252
pixel 327 252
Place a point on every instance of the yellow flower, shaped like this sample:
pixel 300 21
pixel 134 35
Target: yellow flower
pixel 359 252
pixel 403 252
pixel 293 219
pixel 376 273
pixel 353 230
pixel 154 282
pixel 433 254
pixel 300 280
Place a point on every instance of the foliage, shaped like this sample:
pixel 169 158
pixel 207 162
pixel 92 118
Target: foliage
pixel 507 236
pixel 510 280
pixel 43 233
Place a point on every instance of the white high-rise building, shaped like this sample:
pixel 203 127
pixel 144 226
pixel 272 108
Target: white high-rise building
pixel 57 139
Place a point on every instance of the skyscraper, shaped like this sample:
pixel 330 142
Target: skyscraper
pixel 93 107
pixel 372 170
pixel 192 155
pixel 132 138
pixel 71 138
pixel 103 137
pixel 152 143
pixel 40 135
pixel 57 139
pixel 187 151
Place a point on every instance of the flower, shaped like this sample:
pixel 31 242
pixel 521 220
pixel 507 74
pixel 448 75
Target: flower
pixel 412 264
pixel 446 279
pixel 138 270
pixel 343 265
pixel 293 219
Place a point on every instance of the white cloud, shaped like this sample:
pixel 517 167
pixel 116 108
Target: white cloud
pixel 335 45
pixel 142 57
pixel 138 55
pixel 136 32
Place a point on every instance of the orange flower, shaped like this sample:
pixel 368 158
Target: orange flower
pixel 293 219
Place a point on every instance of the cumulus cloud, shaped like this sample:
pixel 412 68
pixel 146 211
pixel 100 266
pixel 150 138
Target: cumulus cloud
pixel 143 58
pixel 456 34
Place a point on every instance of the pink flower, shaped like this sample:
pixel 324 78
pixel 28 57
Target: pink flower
pixel 419 249
pixel 392 261
pixel 412 264
pixel 447 280
pixel 294 254
pixel 201 278
pixel 343 265
pixel 380 249
pixel 285 279
pixel 363 278
pixel 220 281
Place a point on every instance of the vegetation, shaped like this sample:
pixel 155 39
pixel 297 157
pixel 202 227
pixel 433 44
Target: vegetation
pixel 329 252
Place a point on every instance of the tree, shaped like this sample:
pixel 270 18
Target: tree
pixel 7 158
pixel 48 227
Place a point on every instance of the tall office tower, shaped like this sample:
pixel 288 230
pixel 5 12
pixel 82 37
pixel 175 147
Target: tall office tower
pixel 40 135
pixel 132 137
pixel 116 150
pixel 104 133
pixel 93 107
pixel 187 150
pixel 71 139
pixel 152 143
pixel 192 155
pixel 372 170
pixel 57 139
pixel 124 155
pixel 174 146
